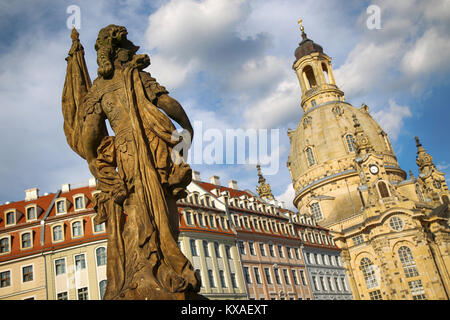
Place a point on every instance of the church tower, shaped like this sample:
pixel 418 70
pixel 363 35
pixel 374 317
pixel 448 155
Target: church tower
pixel 345 173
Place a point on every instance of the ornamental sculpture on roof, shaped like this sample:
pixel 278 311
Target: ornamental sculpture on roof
pixel 138 179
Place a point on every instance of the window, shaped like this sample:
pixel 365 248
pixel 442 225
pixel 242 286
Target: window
pixel 216 249
pixel 79 203
pixel 330 285
pixel 233 279
pixel 251 246
pixel 445 199
pixel 188 218
pixel 350 143
pixel 197 271
pixel 358 239
pixel 61 206
pixel 384 193
pixel 83 294
pixel 241 247
pixel 280 251
pixel 101 256
pixel 336 283
pixel 419 193
pixel 315 211
pixel 222 279
pixel 417 290
pixel 102 287
pixel 62 296
pixel 80 262
pixel 302 276
pixel 396 223
pixel 308 76
pixel 228 252
pixel 316 284
pixel 286 277
pixel 77 230
pixel 4 245
pixel 27 273
pixel 211 221
pixel 368 271
pixel 294 276
pixel 211 279
pixel 257 275
pixel 10 218
pixel 271 251
pixel 316 258
pixel 408 262
pixel 193 247
pixel 99 227
pixel 5 279
pixel 26 240
pixel 313 103
pixel 205 248
pixel 344 284
pixel 375 295
pixel 310 156
pixel 289 252
pixel 322 283
pixel 57 233
pixel 277 275
pixel 31 213
pixel 297 253
pixel 262 249
pixel 60 266
pixel 325 73
pixel 267 274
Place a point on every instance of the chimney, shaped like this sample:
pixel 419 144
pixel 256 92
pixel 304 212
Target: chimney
pixel 196 176
pixel 92 182
pixel 65 187
pixel 233 184
pixel 215 180
pixel 31 194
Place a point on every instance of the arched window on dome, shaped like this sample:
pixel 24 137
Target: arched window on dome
pixel 382 187
pixel 310 156
pixel 408 262
pixel 445 199
pixel 325 73
pixel 315 211
pixel 310 79
pixel 368 270
pixel 350 142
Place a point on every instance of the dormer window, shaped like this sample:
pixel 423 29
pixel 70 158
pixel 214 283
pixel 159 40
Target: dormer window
pixel 188 217
pixel 4 245
pixel 57 233
pixel 211 221
pixel 10 218
pixel 31 213
pixel 79 202
pixel 26 240
pixel 77 229
pixel 61 206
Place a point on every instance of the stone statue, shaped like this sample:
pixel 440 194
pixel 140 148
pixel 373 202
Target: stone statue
pixel 138 179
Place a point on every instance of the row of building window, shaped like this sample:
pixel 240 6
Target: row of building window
pixel 31 212
pixel 203 218
pixel 329 283
pixel 291 252
pixel 276 272
pixel 323 259
pixel 206 251
pixel 60 267
pixel 223 282
pixel 26 239
pixel 83 293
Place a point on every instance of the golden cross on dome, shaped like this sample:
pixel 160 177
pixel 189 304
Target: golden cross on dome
pixel 300 21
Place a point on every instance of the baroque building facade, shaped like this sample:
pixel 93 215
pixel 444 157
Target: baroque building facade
pixel 243 245
pixel 392 229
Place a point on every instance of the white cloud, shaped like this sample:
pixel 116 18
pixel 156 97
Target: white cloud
pixel 391 119
pixel 287 197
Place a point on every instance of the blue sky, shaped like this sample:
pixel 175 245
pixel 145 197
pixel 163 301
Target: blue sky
pixel 229 63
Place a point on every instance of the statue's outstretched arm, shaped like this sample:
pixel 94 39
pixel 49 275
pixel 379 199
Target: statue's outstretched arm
pixel 175 111
pixel 94 130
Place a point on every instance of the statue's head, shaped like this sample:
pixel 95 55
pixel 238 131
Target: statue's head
pixel 111 45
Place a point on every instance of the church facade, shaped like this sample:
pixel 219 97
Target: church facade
pixel 392 229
